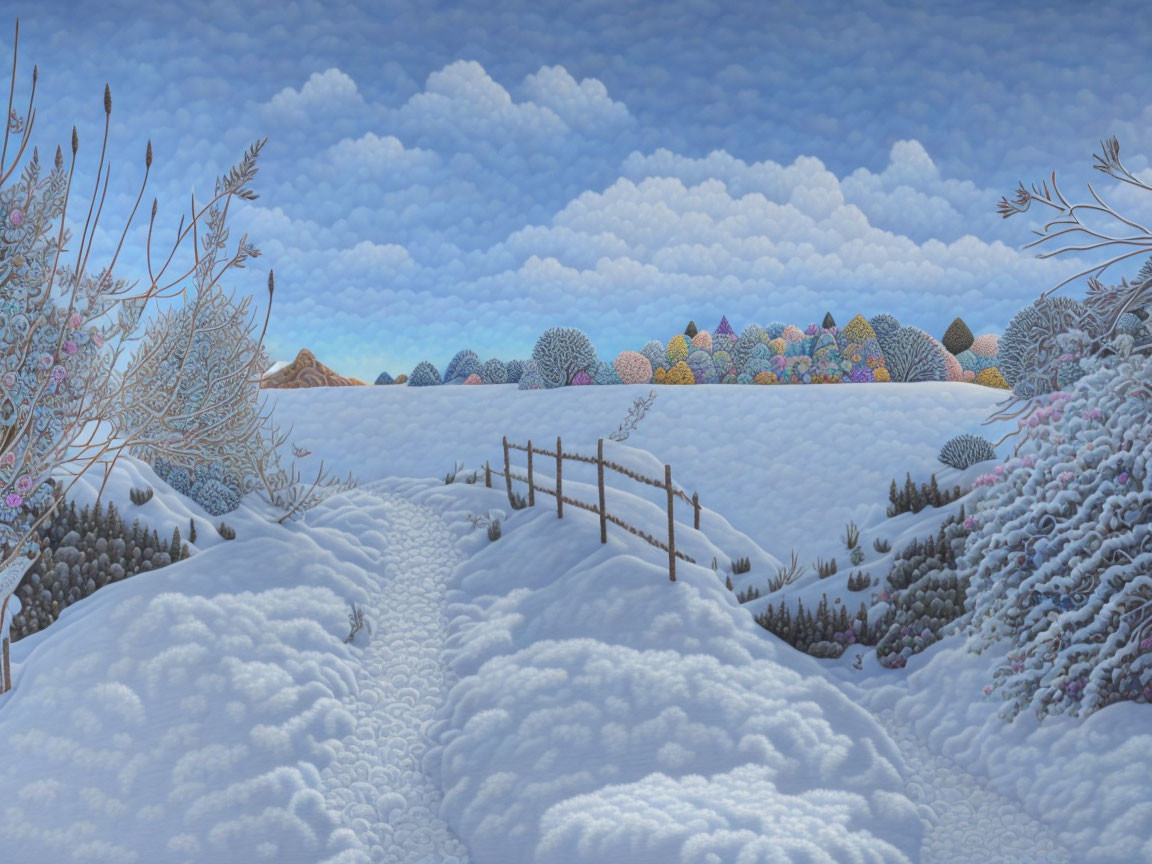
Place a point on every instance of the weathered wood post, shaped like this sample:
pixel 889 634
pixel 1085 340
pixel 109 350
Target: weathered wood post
pixel 671 524
pixel 507 470
pixel 531 481
pixel 6 672
pixel 696 510
pixel 487 475
pixel 559 480
pixel 600 483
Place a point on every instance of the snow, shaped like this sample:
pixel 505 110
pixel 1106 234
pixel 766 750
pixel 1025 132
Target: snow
pixel 545 697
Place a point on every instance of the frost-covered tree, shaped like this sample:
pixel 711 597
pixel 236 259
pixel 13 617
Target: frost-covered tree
pixel 561 353
pixel 884 324
pixel 383 378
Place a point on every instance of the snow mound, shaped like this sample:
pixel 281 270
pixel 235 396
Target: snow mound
pixel 601 709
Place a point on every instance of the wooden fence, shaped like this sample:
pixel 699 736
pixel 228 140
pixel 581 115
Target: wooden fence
pixel 600 509
pixel 5 663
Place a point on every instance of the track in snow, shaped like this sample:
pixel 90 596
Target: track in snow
pixel 376 784
pixel 965 822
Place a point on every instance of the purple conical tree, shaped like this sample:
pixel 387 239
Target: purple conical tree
pixel 724 328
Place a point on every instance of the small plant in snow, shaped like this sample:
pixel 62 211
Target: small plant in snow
pixel 357 623
pixel 881 545
pixel 787 575
pixel 823 568
pixel 851 535
pixel 964 451
pixel 741 565
pixel 140 496
pixel 450 477
pixel 636 413
pixel 226 531
pixel 857 555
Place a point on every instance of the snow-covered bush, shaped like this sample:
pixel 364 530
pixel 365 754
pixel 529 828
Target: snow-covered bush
pixel 84 550
pixel 605 374
pixel 703 372
pixel 531 379
pixel 192 388
pixel 383 378
pixel 923 594
pixel 562 352
pixel 424 375
pixel 494 372
pixel 1059 561
pixel 633 367
pixel 680 374
pixel 1029 352
pixel 752 336
pixel 453 368
pixel 702 341
pixel 884 326
pixel 910 354
pixel 514 370
pixel 964 451
pixel 654 353
pixel 722 363
pixel 466 367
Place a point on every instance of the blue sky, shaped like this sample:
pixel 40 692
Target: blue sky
pixel 450 175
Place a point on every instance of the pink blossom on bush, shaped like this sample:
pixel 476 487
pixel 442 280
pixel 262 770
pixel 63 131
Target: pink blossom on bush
pixel 13 500
pixel 633 367
pixel 986 346
pixel 473 379
pixel 16 216
pixel 69 347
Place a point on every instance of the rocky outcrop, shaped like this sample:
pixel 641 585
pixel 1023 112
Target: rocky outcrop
pixel 307 371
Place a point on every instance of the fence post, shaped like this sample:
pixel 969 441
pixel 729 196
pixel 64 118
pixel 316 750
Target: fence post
pixel 559 480
pixel 487 475
pixel 507 470
pixel 671 525
pixel 6 672
pixel 531 482
pixel 696 510
pixel 600 483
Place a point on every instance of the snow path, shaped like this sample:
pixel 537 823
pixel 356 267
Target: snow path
pixel 376 784
pixel 966 822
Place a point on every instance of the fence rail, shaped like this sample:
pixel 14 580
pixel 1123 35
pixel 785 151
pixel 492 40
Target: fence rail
pixel 601 508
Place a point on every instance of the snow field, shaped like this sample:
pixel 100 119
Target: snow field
pixel 787 465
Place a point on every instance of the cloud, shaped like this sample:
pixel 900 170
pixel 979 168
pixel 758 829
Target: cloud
pixel 323 93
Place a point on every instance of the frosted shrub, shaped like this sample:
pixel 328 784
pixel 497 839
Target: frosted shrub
pixel 63 328
pixel 1029 352
pixel 964 451
pixel 605 374
pixel 383 378
pixel 453 369
pixel 424 375
pixel 561 353
pixel 703 372
pixel 531 379
pixel 911 354
pixel 654 353
pixel 1059 561
pixel 514 370
pixel 494 372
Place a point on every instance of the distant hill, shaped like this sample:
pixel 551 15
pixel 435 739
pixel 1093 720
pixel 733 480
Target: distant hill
pixel 305 371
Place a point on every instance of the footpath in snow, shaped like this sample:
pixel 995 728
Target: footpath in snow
pixel 376 782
